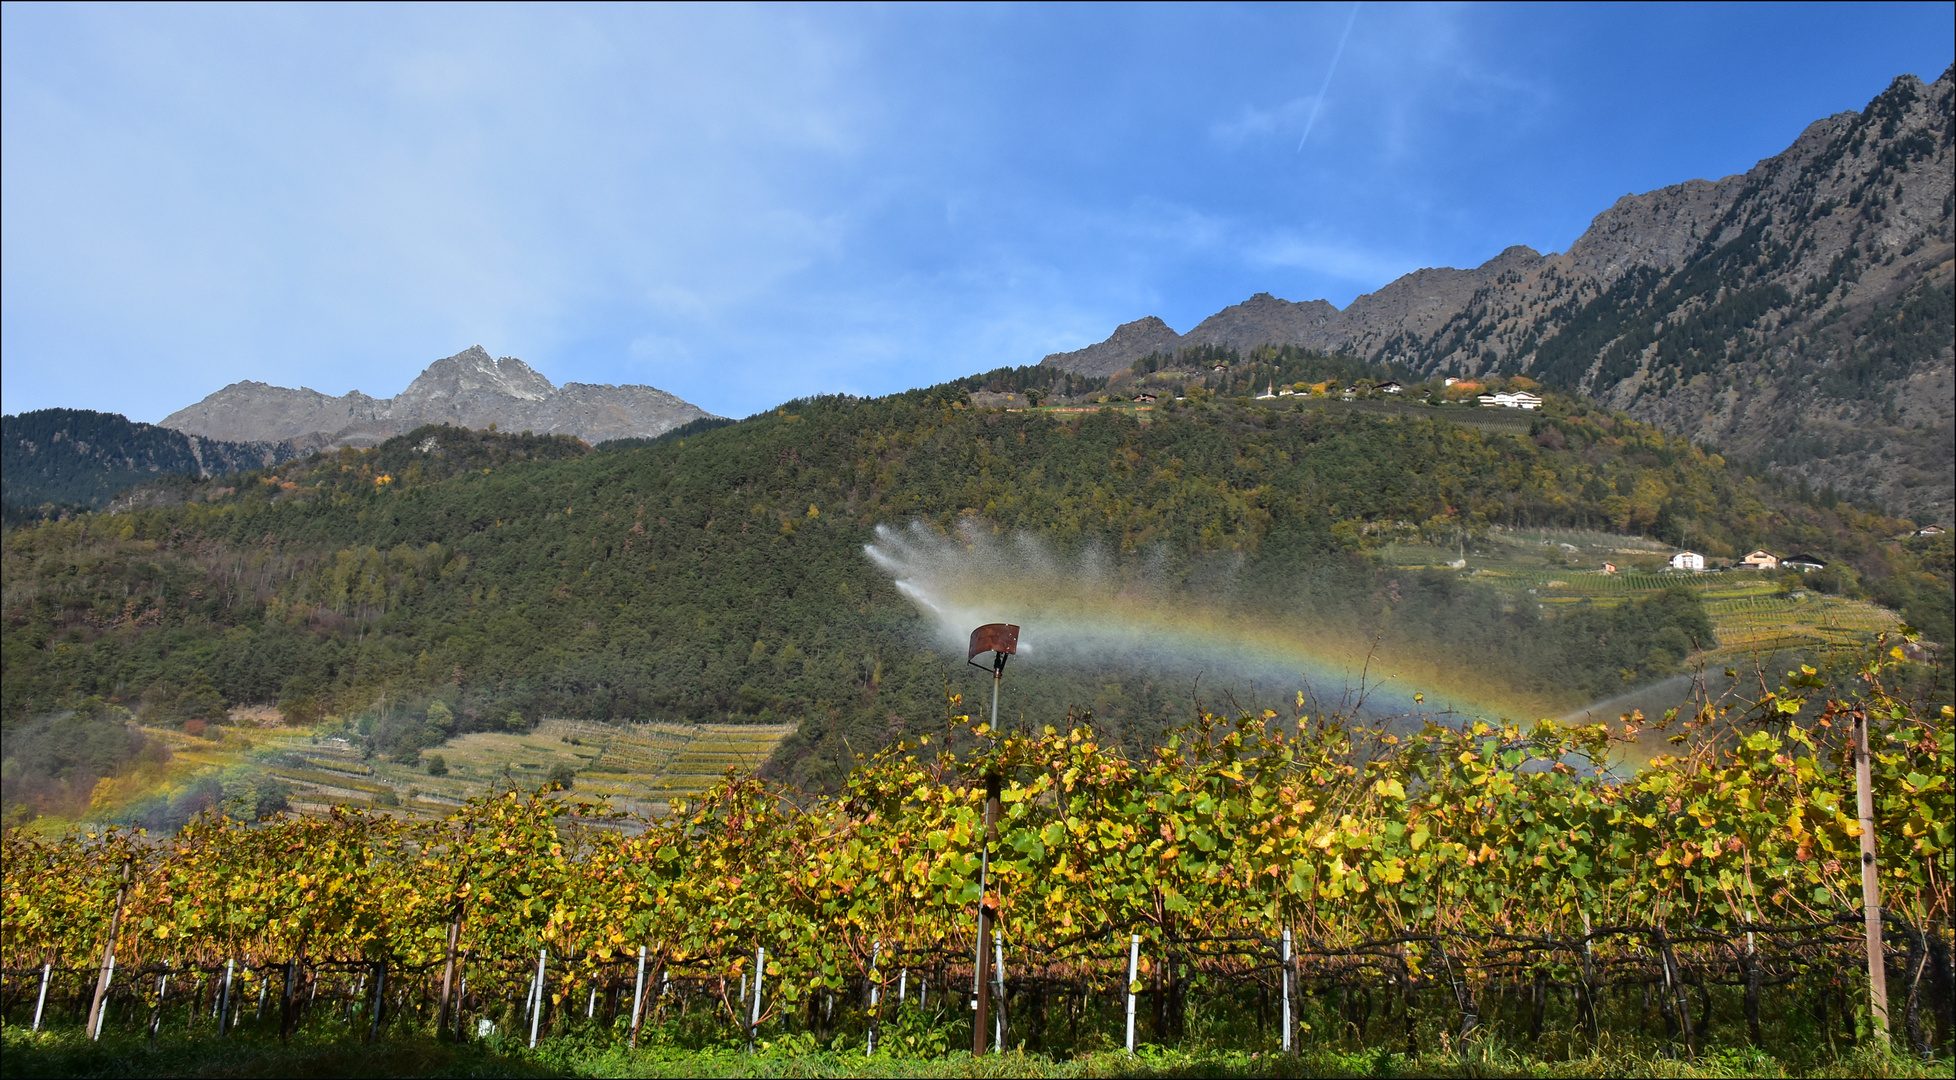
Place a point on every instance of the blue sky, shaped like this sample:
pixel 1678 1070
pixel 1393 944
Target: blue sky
pixel 747 204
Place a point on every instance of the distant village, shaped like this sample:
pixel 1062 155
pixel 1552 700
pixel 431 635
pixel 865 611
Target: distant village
pixel 1506 399
pixel 1758 560
pixel 1694 562
pixel 1457 392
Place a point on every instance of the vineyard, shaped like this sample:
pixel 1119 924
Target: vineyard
pixel 638 768
pixel 1751 615
pixel 635 767
pixel 1258 880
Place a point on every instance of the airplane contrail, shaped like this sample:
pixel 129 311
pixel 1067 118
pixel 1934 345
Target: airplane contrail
pixel 1319 102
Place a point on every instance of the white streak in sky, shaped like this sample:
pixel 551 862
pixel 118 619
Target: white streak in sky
pixel 1319 103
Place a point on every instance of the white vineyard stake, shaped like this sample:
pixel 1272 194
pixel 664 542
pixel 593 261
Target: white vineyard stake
pixel 536 1014
pixel 760 974
pixel 1286 980
pixel 1133 972
pixel 875 996
pixel 41 1003
pixel 638 992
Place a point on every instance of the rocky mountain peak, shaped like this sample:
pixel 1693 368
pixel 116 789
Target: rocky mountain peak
pixel 1128 343
pixel 1799 313
pixel 473 370
pixel 1513 257
pixel 1261 319
pixel 470 389
pixel 1143 329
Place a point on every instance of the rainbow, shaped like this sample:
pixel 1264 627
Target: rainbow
pixel 1080 609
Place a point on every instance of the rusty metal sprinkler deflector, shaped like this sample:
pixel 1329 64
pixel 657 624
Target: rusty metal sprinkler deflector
pixel 1002 641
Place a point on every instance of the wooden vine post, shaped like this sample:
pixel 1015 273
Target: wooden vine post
pixel 1586 982
pixel 454 939
pixel 1870 878
pixel 448 969
pixel 107 971
pixel 1675 991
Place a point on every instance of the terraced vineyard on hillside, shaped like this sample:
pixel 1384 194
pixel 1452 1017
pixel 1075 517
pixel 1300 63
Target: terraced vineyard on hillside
pixel 1749 614
pixel 1759 624
pixel 635 767
pixel 1749 611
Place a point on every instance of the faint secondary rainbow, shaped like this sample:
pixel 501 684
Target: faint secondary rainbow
pixel 1079 609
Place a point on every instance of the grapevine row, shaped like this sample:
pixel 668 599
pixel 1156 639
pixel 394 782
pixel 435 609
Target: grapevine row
pixel 1452 867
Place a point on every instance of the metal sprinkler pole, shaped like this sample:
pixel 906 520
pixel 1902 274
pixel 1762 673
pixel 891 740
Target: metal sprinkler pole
pixel 998 676
pixel 1002 641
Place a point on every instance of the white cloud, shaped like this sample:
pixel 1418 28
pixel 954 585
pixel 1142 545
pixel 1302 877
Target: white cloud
pixel 1254 124
pixel 738 204
pixel 480 178
pixel 1344 262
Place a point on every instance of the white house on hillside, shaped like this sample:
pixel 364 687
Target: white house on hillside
pixel 1520 399
pixel 1687 560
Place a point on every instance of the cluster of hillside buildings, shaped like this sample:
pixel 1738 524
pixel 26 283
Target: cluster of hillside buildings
pixel 1516 399
pixel 1765 560
pixel 1758 560
pixel 1519 399
pixel 1349 393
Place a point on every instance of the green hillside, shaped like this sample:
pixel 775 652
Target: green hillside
pixel 54 460
pixel 719 575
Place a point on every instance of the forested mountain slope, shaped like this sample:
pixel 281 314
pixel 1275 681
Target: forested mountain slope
pixel 78 458
pixel 717 574
pixel 1799 315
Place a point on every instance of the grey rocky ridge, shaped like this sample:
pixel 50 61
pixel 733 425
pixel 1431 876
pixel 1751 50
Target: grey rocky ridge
pixel 1799 315
pixel 470 389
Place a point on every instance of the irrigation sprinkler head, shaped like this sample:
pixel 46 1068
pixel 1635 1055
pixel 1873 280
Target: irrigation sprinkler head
pixel 999 639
